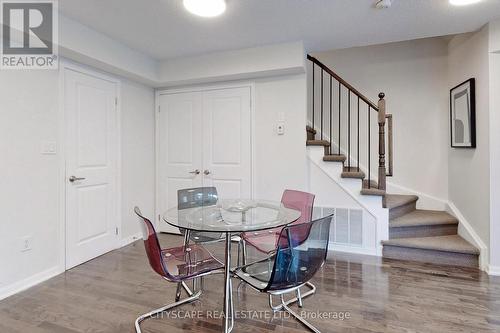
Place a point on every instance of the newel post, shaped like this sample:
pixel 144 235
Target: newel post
pixel 381 142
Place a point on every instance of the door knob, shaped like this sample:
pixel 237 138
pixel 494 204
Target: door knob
pixel 195 172
pixel 206 172
pixel 74 179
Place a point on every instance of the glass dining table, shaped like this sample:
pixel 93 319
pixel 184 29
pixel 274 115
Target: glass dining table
pixel 231 217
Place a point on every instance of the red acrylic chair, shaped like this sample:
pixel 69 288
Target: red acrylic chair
pixel 266 241
pixel 177 264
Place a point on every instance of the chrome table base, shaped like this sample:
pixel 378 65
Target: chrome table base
pixel 228 318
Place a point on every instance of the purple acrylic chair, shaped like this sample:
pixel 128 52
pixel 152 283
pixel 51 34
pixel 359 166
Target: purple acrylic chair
pixel 301 251
pixel 177 264
pixel 267 241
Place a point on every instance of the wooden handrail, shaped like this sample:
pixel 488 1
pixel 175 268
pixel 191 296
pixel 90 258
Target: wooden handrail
pixel 343 82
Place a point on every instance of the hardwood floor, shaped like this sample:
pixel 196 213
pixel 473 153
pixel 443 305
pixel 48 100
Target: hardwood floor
pixel 108 293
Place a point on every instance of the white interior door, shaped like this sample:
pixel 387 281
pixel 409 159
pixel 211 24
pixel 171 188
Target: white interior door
pixel 91 158
pixel 180 148
pixel 206 131
pixel 227 163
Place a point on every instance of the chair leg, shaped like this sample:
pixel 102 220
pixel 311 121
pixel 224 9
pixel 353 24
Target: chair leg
pixel 299 298
pixel 178 292
pixel 231 300
pixel 151 314
pixel 244 252
pixel 238 261
pixel 186 288
pixel 297 316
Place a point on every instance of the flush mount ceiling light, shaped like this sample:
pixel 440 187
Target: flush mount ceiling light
pixel 463 2
pixel 383 4
pixel 205 8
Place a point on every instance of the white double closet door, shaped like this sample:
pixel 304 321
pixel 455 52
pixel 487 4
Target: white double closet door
pixel 205 139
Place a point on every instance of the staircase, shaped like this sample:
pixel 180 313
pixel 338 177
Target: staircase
pixel 336 124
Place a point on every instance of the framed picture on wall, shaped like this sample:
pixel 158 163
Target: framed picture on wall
pixel 463 115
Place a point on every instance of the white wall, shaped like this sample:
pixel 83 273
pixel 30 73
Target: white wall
pixel 468 169
pixel 29 188
pixel 330 194
pixel 412 74
pixel 28 185
pixel 138 154
pixel 494 57
pixel 280 160
pixel 85 45
pixel 264 61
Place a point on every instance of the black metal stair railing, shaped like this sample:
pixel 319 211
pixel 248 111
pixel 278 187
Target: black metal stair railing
pixel 356 144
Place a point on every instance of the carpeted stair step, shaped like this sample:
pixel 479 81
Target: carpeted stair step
pixel 423 223
pixel 400 205
pixel 334 158
pixel 353 172
pixel 444 250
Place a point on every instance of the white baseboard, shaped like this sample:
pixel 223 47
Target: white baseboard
pixel 425 201
pixel 29 282
pixel 130 239
pixel 493 270
pixel 466 231
pixel 333 247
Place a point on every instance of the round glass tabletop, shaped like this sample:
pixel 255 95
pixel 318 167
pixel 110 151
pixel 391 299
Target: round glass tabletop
pixel 232 216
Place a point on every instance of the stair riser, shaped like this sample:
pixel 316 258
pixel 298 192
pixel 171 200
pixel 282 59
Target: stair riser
pixel 402 210
pixel 423 231
pixel 431 256
pixel 310 136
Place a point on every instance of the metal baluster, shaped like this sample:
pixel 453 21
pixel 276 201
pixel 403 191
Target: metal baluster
pixel 313 98
pixel 340 106
pixel 331 118
pixel 358 133
pixel 349 130
pixel 369 148
pixel 322 103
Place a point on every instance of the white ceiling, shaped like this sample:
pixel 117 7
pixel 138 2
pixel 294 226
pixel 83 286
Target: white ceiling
pixel 162 29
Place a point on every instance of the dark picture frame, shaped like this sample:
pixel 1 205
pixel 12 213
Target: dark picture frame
pixel 463 115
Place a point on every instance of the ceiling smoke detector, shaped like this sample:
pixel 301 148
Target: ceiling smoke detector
pixel 383 4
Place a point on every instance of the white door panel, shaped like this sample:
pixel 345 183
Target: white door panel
pixel 180 150
pixel 91 154
pixel 205 131
pixel 227 141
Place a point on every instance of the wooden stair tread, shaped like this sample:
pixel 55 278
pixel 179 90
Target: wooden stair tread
pixel 373 191
pixel 452 243
pixel 397 200
pixel 352 172
pixel 420 218
pixel 334 158
pixel 323 143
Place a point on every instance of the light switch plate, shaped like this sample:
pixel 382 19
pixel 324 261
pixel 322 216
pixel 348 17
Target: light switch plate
pixel 48 148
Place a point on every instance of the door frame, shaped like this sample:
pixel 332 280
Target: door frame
pixel 202 88
pixel 66 64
